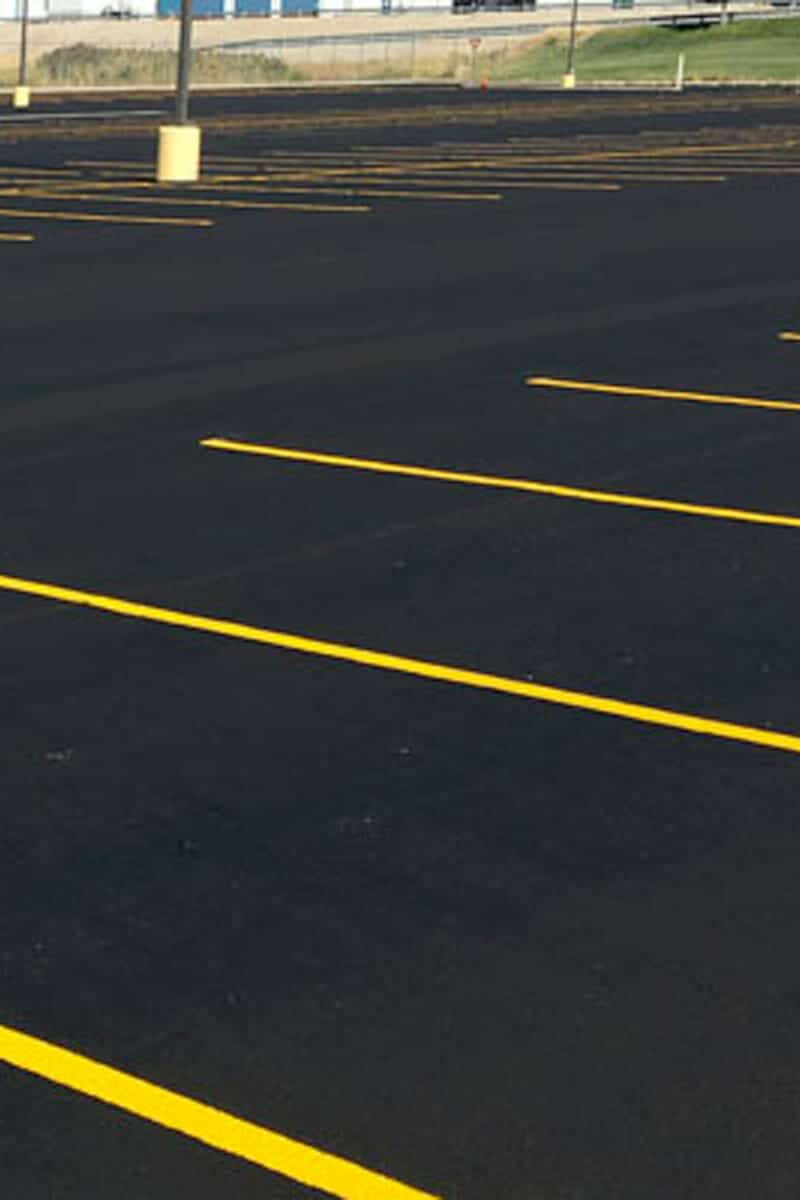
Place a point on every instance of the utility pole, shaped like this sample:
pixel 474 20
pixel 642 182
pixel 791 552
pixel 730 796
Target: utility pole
pixel 568 80
pixel 179 144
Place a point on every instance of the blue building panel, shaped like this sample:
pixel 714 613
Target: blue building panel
pixel 200 8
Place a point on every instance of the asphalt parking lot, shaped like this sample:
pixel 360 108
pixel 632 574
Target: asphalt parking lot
pixel 399 671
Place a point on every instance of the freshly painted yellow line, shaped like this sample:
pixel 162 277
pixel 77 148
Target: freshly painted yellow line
pixel 213 1127
pixel 207 183
pixel 655 152
pixel 789 335
pixel 619 389
pixel 47 172
pixel 16 237
pixel 129 164
pixel 376 193
pixel 666 173
pixel 501 172
pixel 352 179
pixel 183 201
pixel 101 218
pixel 344 189
pixel 559 490
pixel 418 667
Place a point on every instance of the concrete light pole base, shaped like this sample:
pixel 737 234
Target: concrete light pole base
pixel 178 154
pixel 20 97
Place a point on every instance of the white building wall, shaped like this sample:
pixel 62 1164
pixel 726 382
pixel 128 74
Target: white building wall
pixel 422 5
pixel 95 8
pixel 335 8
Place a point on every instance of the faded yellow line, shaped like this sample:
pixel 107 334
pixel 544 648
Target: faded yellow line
pixel 788 335
pixel 558 490
pixel 43 215
pixel 16 237
pixel 619 389
pixel 420 668
pixel 212 1126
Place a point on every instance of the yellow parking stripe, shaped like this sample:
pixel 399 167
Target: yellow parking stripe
pixel 16 237
pixel 101 218
pixel 557 490
pixel 789 335
pixel 352 178
pixel 211 183
pixel 183 202
pixel 220 1130
pixel 417 667
pixel 619 389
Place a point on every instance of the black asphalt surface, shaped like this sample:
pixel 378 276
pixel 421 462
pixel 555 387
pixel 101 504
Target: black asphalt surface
pixel 499 950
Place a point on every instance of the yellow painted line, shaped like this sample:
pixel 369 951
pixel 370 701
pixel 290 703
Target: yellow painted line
pixel 207 183
pixel 344 189
pixel 352 178
pixel 789 335
pixel 417 667
pixel 182 202
pixel 383 193
pixel 658 152
pixel 47 172
pixel 558 490
pixel 43 215
pixel 639 175
pixel 16 237
pixel 212 1126
pixel 129 164
pixel 502 172
pixel 619 389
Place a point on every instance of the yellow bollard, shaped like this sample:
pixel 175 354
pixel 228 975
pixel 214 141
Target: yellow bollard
pixel 178 154
pixel 568 81
pixel 20 97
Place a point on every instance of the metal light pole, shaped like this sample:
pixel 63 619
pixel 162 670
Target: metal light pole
pixel 184 64
pixel 22 96
pixel 569 75
pixel 179 144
